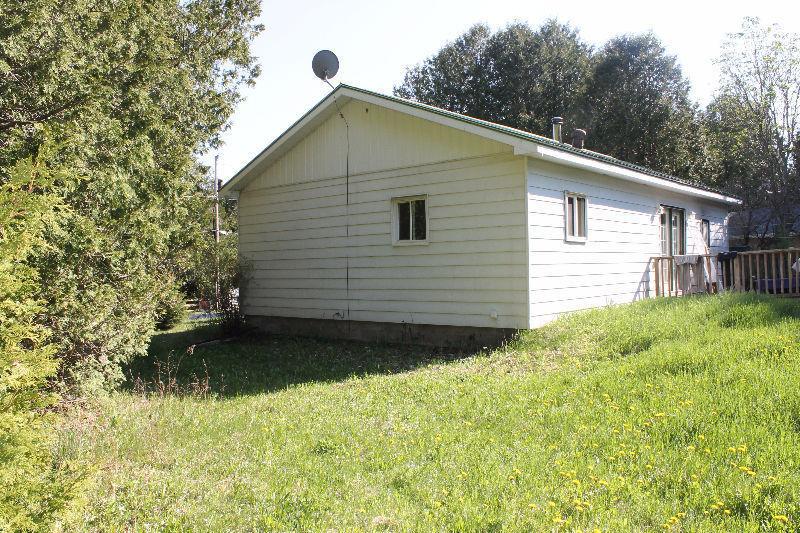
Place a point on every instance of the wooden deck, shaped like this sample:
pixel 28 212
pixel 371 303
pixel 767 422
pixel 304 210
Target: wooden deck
pixel 760 271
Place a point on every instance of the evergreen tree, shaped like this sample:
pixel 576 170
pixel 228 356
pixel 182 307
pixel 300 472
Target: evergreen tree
pixel 131 92
pixel 639 108
pixel 517 76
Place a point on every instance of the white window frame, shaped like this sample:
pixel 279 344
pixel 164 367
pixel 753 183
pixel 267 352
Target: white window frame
pixel 683 242
pixel 396 221
pixel 705 231
pixel 575 196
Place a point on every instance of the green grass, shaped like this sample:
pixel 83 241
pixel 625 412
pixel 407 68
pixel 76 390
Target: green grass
pixel 682 414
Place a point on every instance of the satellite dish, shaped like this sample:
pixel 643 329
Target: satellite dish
pixel 325 64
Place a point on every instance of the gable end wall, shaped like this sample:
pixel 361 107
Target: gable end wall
pixel 318 252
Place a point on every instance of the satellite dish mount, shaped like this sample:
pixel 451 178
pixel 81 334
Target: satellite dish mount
pixel 325 65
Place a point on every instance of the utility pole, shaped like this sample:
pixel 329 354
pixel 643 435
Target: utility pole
pixel 216 201
pixel 216 233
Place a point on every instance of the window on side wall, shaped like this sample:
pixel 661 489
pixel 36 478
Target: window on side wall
pixel 576 224
pixel 410 220
pixel 705 230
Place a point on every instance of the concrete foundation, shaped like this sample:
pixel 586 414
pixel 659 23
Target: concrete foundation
pixel 384 332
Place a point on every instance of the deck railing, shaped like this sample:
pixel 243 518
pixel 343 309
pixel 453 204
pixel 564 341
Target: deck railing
pixel 768 271
pixel 673 278
pixel 775 272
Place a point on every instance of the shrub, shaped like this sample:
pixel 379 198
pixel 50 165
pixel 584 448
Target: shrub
pixel 210 260
pixel 171 309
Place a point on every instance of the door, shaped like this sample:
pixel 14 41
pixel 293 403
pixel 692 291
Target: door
pixel 673 231
pixel 673 241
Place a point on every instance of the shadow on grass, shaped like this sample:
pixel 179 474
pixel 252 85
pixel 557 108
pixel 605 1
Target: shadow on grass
pixel 258 363
pixel 264 363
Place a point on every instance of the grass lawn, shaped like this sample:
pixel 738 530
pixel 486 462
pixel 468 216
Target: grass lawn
pixel 679 414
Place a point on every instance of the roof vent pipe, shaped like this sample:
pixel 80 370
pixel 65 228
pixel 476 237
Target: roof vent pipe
pixel 557 122
pixel 578 136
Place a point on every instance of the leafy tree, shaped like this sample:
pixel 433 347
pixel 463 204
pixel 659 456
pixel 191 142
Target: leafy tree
pixel 131 92
pixel 638 101
pixel 216 271
pixel 517 76
pixel 755 126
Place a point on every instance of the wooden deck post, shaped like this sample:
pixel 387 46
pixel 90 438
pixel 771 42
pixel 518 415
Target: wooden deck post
pixel 724 277
pixel 780 270
pixel 774 277
pixel 741 273
pixel 758 273
pixel 657 267
pixel 670 265
pixel 766 273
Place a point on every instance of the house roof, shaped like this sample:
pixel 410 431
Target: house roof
pixel 524 143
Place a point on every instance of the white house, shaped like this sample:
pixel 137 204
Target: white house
pixel 375 217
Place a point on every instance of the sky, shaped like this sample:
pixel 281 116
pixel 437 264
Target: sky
pixel 376 41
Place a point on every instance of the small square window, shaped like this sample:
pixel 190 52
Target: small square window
pixel 410 220
pixel 576 223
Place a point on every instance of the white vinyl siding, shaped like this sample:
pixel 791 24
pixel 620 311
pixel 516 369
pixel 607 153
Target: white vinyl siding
pixel 612 266
pixel 380 139
pixel 315 256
